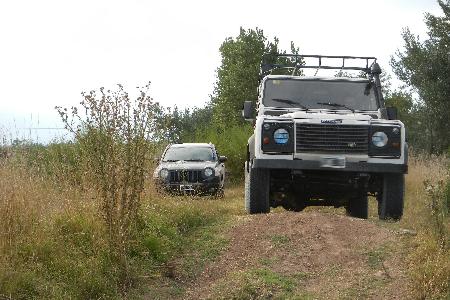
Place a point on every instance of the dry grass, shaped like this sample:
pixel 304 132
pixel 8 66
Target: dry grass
pixel 417 204
pixel 427 214
pixel 54 244
pixel 54 241
pixel 28 202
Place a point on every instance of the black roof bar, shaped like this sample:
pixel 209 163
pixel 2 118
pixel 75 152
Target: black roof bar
pixel 266 67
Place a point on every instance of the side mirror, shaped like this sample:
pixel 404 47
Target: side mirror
pixel 248 110
pixel 222 159
pixel 392 113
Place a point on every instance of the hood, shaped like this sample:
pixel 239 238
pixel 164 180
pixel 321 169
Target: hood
pixel 321 115
pixel 187 165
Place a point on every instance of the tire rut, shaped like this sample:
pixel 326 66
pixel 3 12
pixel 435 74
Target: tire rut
pixel 337 257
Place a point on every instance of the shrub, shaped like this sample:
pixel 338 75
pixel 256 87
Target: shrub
pixel 231 142
pixel 113 133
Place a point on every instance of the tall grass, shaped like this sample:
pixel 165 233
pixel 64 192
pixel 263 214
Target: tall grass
pixel 427 212
pixel 54 242
pixel 51 241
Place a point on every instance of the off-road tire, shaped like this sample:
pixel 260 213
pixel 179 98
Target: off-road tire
pixel 358 207
pixel 390 200
pixel 257 191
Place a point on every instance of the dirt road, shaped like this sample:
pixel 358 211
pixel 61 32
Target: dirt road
pixel 307 255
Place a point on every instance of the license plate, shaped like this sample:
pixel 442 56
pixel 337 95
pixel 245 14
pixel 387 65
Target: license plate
pixel 186 188
pixel 333 162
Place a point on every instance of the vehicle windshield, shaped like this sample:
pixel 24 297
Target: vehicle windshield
pixel 189 154
pixel 311 94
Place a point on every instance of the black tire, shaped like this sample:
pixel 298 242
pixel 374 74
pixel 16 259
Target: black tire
pixel 358 207
pixel 390 200
pixel 257 191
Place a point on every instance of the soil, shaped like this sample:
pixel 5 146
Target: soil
pixel 339 257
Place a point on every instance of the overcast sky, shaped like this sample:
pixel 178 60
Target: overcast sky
pixel 50 51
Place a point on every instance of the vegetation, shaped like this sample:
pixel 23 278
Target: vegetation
pixel 55 243
pixel 424 66
pixel 220 121
pixel 81 219
pixel 427 213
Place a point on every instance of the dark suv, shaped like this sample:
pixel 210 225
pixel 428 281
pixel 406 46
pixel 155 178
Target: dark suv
pixel 191 168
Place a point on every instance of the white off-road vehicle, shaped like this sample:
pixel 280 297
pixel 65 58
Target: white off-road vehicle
pixel 324 141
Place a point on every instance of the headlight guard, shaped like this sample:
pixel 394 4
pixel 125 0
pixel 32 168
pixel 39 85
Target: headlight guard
pixel 385 141
pixel 277 137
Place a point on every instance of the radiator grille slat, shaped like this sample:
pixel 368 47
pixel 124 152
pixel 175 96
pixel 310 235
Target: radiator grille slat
pixel 185 176
pixel 332 138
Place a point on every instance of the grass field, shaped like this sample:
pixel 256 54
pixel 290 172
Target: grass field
pixel 53 241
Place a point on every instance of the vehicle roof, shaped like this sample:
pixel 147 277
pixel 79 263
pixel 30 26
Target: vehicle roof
pixel 316 78
pixel 184 145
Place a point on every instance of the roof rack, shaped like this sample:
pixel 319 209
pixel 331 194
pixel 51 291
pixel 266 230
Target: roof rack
pixel 296 62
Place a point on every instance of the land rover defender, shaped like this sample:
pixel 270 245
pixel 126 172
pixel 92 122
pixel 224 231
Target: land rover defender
pixel 324 140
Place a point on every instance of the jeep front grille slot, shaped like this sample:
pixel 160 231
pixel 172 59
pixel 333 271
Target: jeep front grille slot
pixel 185 176
pixel 332 138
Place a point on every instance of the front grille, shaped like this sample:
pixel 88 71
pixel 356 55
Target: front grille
pixel 185 176
pixel 332 138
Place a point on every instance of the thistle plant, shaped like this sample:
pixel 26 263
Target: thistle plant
pixel 114 132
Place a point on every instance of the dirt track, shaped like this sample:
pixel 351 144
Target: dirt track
pixel 319 255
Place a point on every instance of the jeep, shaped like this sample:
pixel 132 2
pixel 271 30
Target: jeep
pixel 324 141
pixel 191 168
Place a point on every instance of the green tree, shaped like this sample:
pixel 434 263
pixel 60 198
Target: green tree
pixel 239 74
pixel 220 121
pixel 425 66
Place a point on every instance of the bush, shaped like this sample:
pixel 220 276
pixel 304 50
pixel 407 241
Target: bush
pixel 231 142
pixel 113 133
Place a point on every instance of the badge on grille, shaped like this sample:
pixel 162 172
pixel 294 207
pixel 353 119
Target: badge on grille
pixel 333 121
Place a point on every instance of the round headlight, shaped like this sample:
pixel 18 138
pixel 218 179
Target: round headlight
pixel 209 172
pixel 163 173
pixel 281 136
pixel 379 139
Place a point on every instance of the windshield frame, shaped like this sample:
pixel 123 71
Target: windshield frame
pixel 319 79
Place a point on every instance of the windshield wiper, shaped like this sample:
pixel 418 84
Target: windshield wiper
pixel 290 102
pixel 194 160
pixel 336 105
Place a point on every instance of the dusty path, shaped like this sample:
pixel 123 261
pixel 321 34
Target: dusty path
pixel 308 255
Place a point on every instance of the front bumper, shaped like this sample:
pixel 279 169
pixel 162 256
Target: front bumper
pixel 298 164
pixel 209 185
